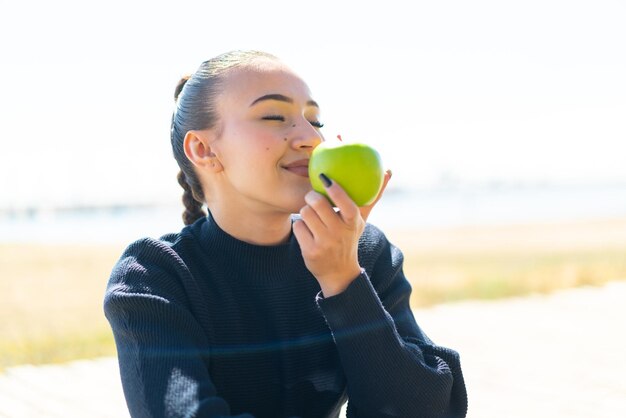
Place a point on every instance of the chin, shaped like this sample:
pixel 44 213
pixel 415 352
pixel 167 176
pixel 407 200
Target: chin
pixel 295 201
pixel 297 205
pixel 291 196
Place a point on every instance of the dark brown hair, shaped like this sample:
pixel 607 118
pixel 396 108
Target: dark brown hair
pixel 195 110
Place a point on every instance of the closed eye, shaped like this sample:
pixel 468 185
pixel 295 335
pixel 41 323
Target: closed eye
pixel 280 118
pixel 274 117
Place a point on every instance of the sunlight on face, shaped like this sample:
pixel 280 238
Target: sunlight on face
pixel 269 125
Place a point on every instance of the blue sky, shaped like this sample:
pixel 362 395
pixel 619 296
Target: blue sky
pixel 479 91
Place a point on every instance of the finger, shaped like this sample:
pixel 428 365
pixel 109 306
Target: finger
pixel 348 210
pixel 312 221
pixel 322 207
pixel 366 210
pixel 303 235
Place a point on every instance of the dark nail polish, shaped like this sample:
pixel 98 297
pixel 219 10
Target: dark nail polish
pixel 327 182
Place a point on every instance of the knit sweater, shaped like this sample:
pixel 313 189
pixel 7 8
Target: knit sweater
pixel 207 325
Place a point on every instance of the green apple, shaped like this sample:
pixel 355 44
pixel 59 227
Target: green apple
pixel 356 167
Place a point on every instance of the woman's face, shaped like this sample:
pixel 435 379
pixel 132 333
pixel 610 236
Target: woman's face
pixel 269 125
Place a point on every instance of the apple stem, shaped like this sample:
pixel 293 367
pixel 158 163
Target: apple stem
pixel 339 137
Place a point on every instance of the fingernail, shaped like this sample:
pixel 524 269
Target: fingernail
pixel 325 180
pixel 390 173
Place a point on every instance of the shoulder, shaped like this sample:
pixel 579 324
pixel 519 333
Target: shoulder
pixel 374 244
pixel 148 266
pixel 379 257
pixel 372 235
pixel 148 251
pixel 156 275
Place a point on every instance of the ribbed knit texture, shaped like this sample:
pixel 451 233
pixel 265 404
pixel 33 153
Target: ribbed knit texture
pixel 210 326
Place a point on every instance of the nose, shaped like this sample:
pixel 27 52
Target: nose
pixel 305 136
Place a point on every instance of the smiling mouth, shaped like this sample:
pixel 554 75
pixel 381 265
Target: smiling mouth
pixel 299 167
pixel 299 170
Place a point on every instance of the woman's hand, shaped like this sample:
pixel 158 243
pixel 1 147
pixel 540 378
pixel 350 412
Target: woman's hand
pixel 329 240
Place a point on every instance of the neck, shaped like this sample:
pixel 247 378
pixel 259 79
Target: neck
pixel 253 228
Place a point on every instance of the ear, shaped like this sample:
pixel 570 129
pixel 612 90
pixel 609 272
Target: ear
pixel 197 146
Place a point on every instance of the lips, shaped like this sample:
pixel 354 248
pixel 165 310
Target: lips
pixel 299 167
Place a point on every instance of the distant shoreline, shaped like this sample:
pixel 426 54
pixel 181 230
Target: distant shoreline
pixel 594 233
pixel 394 193
pixel 438 209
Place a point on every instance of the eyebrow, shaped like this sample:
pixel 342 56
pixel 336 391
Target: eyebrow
pixel 281 98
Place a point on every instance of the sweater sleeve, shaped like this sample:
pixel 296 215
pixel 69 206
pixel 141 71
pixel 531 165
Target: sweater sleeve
pixel 162 350
pixel 392 367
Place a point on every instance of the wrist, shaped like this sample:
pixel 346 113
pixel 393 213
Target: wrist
pixel 332 286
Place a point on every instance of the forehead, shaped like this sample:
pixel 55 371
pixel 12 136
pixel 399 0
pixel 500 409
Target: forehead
pixel 246 84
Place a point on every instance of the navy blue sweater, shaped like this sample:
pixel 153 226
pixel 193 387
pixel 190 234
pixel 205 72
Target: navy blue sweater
pixel 207 325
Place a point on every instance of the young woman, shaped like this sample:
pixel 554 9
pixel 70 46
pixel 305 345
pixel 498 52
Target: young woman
pixel 250 310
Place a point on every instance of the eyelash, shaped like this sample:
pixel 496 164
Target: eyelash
pixel 282 119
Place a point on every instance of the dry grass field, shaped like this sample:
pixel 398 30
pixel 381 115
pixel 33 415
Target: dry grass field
pixel 51 295
pixel 491 262
pixel 51 302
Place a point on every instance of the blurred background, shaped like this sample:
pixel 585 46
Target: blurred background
pixel 503 122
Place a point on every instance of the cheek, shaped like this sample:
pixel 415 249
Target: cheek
pixel 241 143
pixel 267 149
pixel 259 155
pixel 267 142
pixel 251 149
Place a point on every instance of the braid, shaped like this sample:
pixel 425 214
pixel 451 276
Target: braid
pixel 192 199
